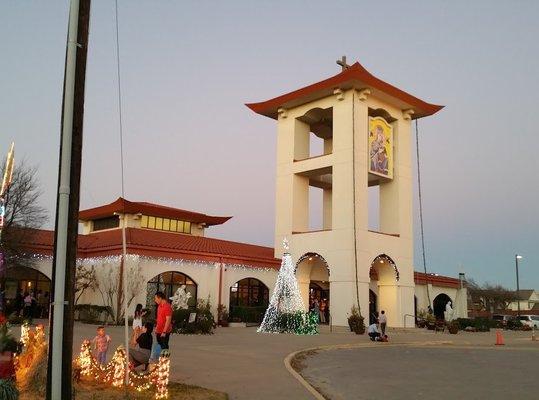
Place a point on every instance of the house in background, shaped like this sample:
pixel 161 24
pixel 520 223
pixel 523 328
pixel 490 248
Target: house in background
pixel 528 299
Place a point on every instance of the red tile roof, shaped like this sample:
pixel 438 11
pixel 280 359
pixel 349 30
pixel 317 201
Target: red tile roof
pixel 155 243
pixel 356 76
pixel 133 207
pixel 421 278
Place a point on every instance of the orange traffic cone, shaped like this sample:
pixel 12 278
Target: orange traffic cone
pixel 499 338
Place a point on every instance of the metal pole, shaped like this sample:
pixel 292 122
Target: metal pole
pixel 63 206
pixel 518 288
pixel 59 368
pixel 126 315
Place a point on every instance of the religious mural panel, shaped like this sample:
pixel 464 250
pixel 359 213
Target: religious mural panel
pixel 380 147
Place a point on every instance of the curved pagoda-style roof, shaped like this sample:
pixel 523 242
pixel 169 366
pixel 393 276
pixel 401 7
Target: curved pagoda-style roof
pixel 355 76
pixel 133 207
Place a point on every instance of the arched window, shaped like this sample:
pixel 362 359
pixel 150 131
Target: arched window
pixel 249 292
pixel 168 283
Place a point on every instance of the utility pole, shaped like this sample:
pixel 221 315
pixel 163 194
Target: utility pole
pixel 517 257
pixel 59 372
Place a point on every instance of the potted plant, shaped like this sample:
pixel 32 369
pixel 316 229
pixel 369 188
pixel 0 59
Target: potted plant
pixel 431 322
pixel 421 320
pixel 453 327
pixel 356 321
pixel 222 315
pixel 8 346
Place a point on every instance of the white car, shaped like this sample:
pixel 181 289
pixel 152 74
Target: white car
pixel 530 320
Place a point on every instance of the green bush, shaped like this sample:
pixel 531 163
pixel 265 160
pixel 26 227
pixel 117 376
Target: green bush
pixel 484 324
pixel 15 319
pixel 464 323
pixel 204 323
pixel 514 324
pixel 247 314
pixel 8 390
pixel 93 314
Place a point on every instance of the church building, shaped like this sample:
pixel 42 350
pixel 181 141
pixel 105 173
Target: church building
pixel 363 126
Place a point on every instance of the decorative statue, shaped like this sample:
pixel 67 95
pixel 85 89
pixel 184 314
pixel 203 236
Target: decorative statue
pixel 449 312
pixel 180 298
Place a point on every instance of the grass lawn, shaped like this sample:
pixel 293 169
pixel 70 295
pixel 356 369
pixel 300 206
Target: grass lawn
pixel 176 391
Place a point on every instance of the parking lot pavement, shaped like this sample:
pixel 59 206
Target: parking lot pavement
pixel 417 372
pixel 249 365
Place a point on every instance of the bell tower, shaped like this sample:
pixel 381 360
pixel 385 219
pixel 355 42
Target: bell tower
pixel 363 129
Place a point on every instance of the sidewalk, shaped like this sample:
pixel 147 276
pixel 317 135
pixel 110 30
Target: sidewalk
pixel 249 365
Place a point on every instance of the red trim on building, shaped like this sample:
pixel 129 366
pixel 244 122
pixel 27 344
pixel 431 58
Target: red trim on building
pixel 133 207
pixel 421 278
pixel 356 76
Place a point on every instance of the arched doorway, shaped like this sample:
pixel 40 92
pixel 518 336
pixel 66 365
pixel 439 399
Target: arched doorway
pixel 22 280
pixel 168 283
pixel 312 272
pixel 249 299
pixel 373 314
pixel 439 304
pixel 385 275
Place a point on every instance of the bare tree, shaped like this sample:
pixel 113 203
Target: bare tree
pixel 488 297
pixel 24 214
pixel 108 286
pixel 85 279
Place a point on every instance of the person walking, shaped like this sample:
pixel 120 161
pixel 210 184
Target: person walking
pixel 163 326
pixel 382 319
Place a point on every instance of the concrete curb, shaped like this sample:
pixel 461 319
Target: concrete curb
pixel 299 378
pixel 316 394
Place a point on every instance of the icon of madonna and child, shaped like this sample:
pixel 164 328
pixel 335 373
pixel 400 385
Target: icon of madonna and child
pixel 380 147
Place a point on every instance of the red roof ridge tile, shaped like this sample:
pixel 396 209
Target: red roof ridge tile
pixel 354 76
pixel 133 207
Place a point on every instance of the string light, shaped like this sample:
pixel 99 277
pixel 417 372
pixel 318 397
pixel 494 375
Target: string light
pixel 286 312
pixel 25 328
pixel 385 258
pixel 178 262
pixel 114 372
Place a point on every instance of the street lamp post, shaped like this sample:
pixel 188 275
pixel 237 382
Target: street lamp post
pixel 517 257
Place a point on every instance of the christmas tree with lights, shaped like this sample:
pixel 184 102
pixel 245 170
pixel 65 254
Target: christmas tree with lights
pixel 286 311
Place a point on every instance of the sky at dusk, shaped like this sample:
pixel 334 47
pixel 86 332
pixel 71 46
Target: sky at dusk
pixel 188 67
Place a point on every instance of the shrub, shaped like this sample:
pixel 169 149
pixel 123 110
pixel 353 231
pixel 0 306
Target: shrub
pixel 8 341
pixel 356 321
pixel 247 314
pixel 93 314
pixel 204 323
pixel 15 319
pixel 464 323
pixel 514 324
pixel 484 324
pixel 8 390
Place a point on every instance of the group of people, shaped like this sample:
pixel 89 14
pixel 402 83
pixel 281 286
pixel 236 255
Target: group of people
pixel 28 305
pixel 142 344
pixel 320 308
pixel 378 334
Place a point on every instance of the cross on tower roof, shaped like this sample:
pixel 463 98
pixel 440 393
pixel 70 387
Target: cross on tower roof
pixel 342 63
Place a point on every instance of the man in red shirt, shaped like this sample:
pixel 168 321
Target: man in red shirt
pixel 163 325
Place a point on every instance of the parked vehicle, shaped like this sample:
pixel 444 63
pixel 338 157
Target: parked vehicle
pixel 530 320
pixel 501 319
